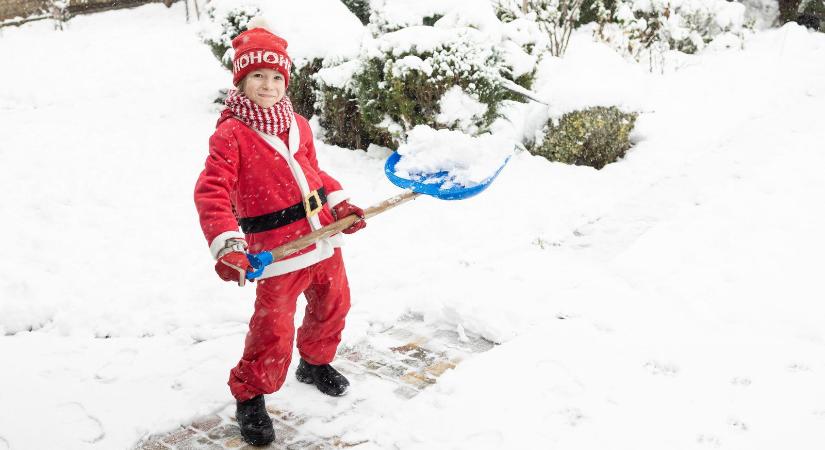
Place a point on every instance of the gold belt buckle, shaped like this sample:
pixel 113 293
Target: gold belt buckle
pixel 312 203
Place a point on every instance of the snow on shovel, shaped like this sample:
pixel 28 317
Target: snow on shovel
pixel 447 165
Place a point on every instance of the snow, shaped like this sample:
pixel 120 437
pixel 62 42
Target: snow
pixel 468 161
pixel 410 63
pixel 460 109
pixel 670 300
pixel 338 76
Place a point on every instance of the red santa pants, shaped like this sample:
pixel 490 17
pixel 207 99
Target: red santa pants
pixel 268 350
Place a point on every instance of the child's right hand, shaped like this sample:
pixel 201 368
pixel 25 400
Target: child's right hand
pixel 233 266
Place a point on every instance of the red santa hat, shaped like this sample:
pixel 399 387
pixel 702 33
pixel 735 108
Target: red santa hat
pixel 258 48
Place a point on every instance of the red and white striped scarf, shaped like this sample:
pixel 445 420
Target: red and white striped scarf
pixel 273 120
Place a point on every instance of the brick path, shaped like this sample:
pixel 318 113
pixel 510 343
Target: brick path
pixel 406 358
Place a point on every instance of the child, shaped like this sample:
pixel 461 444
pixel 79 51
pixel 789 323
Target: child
pixel 262 174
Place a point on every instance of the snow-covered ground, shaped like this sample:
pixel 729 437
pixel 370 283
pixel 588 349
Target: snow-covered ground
pixel 669 301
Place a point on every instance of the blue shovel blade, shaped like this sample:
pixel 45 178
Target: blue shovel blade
pixel 433 184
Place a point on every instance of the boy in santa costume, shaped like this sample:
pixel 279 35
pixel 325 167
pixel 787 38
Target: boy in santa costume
pixel 262 175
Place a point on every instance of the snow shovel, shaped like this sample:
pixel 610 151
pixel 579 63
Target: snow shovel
pixel 427 184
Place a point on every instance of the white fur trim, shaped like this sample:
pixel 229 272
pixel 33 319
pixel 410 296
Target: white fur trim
pixel 220 241
pixel 334 198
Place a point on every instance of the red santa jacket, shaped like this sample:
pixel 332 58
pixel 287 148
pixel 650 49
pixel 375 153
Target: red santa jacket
pixel 250 174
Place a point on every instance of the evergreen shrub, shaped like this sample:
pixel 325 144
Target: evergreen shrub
pixel 592 10
pixel 337 106
pixel 556 18
pixel 342 122
pixel 811 14
pixel 592 137
pixel 399 89
pixel 302 88
pixel 649 29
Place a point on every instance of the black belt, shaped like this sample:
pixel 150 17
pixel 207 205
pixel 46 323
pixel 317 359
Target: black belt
pixel 309 207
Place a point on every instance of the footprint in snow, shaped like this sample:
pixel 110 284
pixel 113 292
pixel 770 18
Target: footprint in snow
pixel 741 381
pixel 574 416
pixel 708 440
pixel 799 367
pixel 737 424
pixel 660 368
pixel 85 428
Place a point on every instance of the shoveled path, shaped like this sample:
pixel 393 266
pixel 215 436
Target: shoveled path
pixel 404 359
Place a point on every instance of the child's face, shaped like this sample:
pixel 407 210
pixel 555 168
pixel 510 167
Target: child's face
pixel 265 87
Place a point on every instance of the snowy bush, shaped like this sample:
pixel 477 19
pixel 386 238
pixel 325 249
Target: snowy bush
pixel 591 137
pixel 403 78
pixel 337 104
pixel 302 87
pixel 593 10
pixel 647 29
pixel 223 26
pixel 812 14
pixel 761 13
pixel 557 18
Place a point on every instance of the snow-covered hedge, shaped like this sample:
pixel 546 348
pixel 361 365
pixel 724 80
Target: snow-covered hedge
pixel 337 103
pixel 811 13
pixel 448 78
pixel 302 87
pixel 447 74
pixel 592 137
pixel 761 13
pixel 647 29
pixel 421 75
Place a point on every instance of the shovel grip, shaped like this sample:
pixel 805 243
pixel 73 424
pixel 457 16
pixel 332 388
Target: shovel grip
pixel 258 261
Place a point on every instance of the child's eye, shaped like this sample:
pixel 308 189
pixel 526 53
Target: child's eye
pixel 279 77
pixel 257 75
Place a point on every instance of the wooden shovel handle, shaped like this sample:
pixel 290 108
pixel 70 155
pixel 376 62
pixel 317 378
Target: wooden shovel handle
pixel 340 225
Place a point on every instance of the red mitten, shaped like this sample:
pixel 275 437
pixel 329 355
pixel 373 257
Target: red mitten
pixel 345 209
pixel 232 266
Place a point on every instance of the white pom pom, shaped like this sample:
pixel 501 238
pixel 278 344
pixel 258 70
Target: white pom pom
pixel 259 22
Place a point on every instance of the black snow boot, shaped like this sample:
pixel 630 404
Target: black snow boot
pixel 324 377
pixel 256 426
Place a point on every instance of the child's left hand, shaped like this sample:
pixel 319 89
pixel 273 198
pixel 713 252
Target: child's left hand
pixel 345 209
